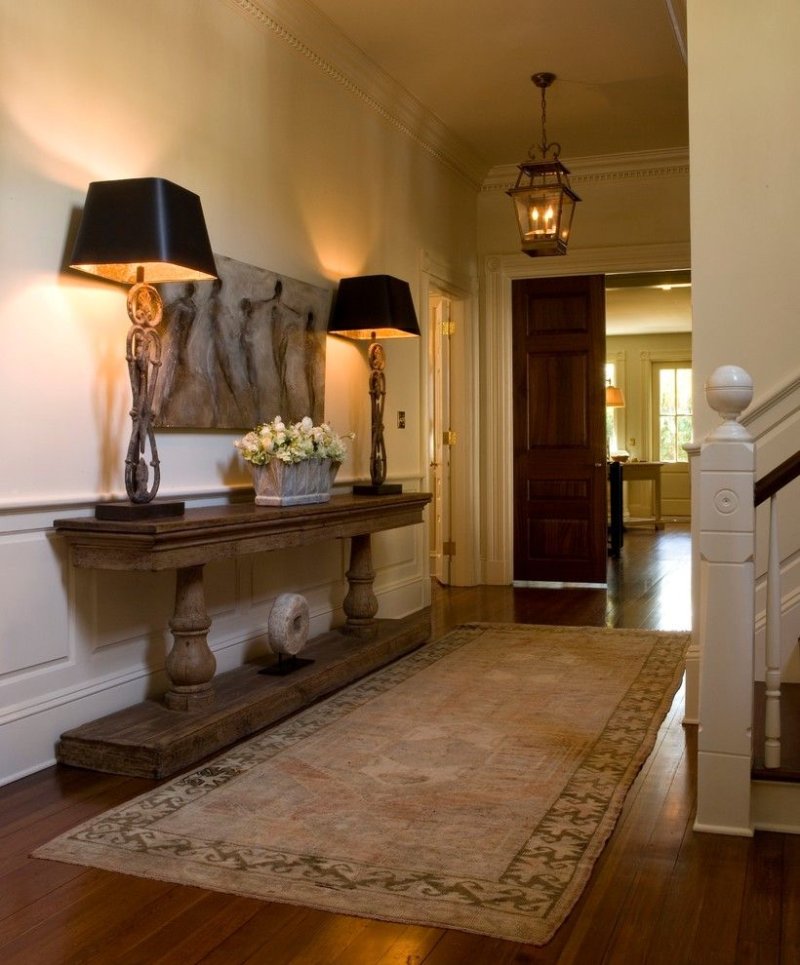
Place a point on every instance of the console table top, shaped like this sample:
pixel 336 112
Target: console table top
pixel 217 532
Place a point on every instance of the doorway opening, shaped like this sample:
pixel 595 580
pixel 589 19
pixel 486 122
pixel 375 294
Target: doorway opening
pixel 649 358
pixel 442 315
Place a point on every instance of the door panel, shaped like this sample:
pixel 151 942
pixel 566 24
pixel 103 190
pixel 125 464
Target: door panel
pixel 559 430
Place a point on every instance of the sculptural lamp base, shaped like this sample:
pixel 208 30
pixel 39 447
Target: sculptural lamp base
pixel 382 489
pixel 130 511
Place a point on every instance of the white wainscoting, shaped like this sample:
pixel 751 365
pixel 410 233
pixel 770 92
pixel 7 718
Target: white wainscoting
pixel 78 644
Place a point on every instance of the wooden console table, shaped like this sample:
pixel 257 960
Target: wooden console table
pixel 618 473
pixel 185 544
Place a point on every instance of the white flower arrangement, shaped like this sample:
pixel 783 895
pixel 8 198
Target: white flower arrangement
pixel 296 442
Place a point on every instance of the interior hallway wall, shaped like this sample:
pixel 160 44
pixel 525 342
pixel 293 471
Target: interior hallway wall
pixel 301 170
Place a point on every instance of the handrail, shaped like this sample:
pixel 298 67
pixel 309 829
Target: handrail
pixel 776 479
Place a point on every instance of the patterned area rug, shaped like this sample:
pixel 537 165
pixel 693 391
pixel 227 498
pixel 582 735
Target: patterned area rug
pixel 470 785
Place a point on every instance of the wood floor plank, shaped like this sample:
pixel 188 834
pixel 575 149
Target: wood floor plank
pixel 790 901
pixel 376 940
pixel 660 893
pixel 133 932
pixel 262 932
pixel 204 924
pixel 761 906
pixel 601 915
pixel 95 912
pixel 388 943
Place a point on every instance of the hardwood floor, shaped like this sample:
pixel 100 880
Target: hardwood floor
pixel 659 893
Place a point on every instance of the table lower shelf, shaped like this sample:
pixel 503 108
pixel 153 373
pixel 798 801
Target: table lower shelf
pixel 149 740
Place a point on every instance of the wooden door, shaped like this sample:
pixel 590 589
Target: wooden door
pixel 560 524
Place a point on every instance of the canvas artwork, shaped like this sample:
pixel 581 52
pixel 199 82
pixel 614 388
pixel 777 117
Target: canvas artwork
pixel 241 350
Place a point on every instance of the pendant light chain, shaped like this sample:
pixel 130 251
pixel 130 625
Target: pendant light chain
pixel 544 123
pixel 543 81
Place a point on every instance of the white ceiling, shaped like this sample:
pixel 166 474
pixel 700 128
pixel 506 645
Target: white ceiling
pixel 620 65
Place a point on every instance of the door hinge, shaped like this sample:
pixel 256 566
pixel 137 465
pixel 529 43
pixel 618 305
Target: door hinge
pixel 449 437
pixel 448 328
pixel 448 548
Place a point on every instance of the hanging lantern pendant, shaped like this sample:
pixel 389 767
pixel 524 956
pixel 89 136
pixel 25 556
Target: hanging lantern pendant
pixel 543 199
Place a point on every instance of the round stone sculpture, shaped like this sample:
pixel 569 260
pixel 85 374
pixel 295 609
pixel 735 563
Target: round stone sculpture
pixel 287 626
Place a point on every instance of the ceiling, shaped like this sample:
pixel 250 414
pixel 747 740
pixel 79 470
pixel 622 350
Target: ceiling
pixel 621 73
pixel 621 88
pixel 650 303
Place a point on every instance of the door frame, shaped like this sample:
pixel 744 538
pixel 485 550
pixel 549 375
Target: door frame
pixel 438 276
pixel 497 460
pixel 439 422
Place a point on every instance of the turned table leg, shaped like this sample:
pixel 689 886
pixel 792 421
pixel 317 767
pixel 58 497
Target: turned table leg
pixel 190 663
pixel 360 604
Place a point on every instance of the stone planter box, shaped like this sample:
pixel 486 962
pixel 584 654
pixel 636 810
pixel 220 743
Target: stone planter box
pixel 292 484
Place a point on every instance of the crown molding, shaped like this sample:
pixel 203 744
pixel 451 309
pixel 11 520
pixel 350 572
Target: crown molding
pixel 676 11
pixel 306 30
pixel 606 167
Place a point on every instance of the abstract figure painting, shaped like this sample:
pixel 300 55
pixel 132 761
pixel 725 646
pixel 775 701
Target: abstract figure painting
pixel 242 350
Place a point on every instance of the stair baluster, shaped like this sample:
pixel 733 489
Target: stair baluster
pixel 772 723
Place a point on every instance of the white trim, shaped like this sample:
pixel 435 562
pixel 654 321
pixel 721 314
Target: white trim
pixel 436 273
pixel 603 168
pixel 676 10
pixel 762 409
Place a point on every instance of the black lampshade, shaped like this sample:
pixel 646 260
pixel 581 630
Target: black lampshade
pixel 373 306
pixel 143 222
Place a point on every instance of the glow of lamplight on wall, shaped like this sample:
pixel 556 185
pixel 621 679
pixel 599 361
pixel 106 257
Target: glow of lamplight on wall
pixel 74 333
pixel 68 127
pixel 346 399
pixel 66 365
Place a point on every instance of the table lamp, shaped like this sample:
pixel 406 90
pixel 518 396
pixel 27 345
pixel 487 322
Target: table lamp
pixel 614 400
pixel 140 231
pixel 372 307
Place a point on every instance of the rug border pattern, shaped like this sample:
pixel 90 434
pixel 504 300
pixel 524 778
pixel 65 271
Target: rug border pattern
pixel 526 903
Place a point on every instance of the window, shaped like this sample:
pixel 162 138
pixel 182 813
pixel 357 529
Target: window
pixel 673 409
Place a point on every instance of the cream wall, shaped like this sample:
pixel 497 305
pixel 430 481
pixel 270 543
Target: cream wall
pixel 301 169
pixel 745 155
pixel 745 207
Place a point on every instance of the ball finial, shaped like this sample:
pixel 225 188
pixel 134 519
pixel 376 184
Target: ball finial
pixel 729 391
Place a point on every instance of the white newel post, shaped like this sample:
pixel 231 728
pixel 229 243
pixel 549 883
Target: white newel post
pixel 727 549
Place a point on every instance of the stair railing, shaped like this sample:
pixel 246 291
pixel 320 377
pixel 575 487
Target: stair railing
pixel 768 489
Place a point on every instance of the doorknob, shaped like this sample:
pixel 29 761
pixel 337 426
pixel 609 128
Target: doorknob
pixel 598 465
